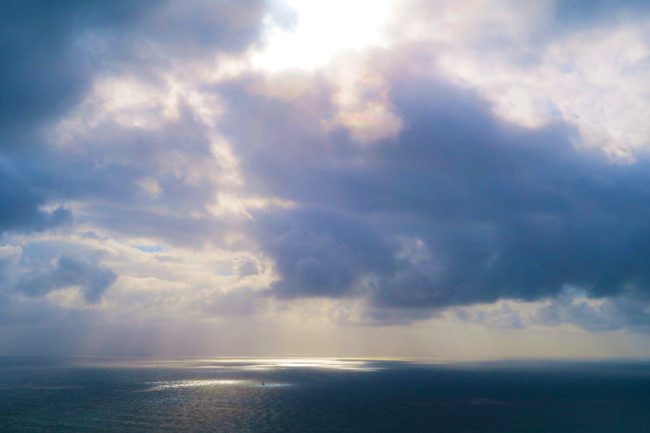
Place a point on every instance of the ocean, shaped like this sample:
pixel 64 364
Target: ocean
pixel 321 395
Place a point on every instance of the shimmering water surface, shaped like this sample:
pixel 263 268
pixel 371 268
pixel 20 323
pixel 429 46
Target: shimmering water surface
pixel 327 395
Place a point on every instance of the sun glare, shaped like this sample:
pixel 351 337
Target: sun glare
pixel 322 30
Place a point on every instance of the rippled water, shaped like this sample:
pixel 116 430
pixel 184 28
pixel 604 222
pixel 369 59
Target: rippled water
pixel 326 395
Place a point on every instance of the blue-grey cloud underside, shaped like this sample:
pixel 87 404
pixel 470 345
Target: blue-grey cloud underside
pixel 460 208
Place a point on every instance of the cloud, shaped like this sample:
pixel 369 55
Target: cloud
pixel 247 266
pixel 48 72
pixel 59 54
pixel 176 157
pixel 46 76
pixel 576 62
pixel 462 207
pixel 74 40
pixel 91 279
pixel 453 167
pixel 69 144
pixel 628 311
pixel 22 203
pixel 320 252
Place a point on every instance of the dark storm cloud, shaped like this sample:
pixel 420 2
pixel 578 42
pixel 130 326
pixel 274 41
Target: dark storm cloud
pixel 43 75
pixel 21 202
pixel 321 252
pixel 92 279
pixel 55 50
pixel 44 72
pixel 462 207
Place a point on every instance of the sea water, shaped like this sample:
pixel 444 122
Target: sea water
pixel 321 395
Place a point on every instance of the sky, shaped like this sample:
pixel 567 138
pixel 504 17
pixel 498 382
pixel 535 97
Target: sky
pixel 438 179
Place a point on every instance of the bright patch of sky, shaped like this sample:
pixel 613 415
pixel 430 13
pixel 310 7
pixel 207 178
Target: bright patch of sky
pixel 322 30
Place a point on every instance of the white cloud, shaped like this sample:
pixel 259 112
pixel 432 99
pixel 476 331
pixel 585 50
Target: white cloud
pixel 593 77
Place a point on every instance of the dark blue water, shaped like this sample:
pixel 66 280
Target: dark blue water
pixel 46 395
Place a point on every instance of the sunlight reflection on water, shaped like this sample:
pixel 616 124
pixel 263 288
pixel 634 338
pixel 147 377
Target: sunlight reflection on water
pixel 179 384
pixel 157 386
